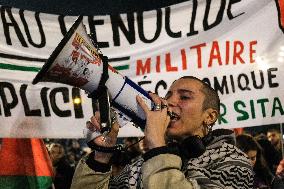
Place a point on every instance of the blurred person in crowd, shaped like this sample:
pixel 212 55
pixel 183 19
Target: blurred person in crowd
pixel 280 168
pixel 119 161
pixel 130 153
pixel 183 151
pixel 274 136
pixel 62 170
pixel 278 182
pixel 262 176
pixel 71 159
pixel 132 147
pixel 74 146
pixel 270 154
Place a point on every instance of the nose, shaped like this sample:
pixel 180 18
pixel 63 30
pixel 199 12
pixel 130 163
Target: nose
pixel 172 101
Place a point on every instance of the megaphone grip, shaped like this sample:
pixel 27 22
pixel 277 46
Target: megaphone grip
pixel 104 108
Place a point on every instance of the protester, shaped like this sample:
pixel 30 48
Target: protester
pixel 62 170
pixel 130 153
pixel 280 169
pixel 74 146
pixel 118 162
pixel 262 176
pixel 196 157
pixel 279 179
pixel 274 136
pixel 268 150
pixel 132 147
pixel 71 159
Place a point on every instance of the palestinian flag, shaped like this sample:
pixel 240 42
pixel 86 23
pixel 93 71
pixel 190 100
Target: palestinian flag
pixel 24 164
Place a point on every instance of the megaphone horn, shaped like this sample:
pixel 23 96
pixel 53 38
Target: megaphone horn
pixel 77 62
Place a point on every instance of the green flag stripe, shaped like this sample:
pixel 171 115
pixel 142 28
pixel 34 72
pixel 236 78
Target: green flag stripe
pixel 19 68
pixel 25 182
pixel 123 67
pixel 36 69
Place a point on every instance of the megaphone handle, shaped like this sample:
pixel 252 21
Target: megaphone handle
pixel 102 96
pixel 104 108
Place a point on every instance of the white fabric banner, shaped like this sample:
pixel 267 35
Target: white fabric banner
pixel 235 46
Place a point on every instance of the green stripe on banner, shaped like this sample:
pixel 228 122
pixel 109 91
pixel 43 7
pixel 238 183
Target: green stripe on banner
pixel 25 182
pixel 123 67
pixel 36 69
pixel 19 68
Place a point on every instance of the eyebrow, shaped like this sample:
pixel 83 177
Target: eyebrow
pixel 185 91
pixel 181 91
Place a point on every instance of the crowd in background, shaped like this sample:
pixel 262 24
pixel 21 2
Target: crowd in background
pixel 263 149
pixel 64 155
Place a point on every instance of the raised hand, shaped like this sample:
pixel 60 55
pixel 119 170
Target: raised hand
pixel 157 121
pixel 108 140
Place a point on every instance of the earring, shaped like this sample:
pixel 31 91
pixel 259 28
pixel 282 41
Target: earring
pixel 209 128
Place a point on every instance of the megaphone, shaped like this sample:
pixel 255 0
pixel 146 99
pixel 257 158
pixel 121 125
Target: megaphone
pixel 77 62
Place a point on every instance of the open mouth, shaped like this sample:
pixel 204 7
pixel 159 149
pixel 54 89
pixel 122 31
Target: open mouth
pixel 173 116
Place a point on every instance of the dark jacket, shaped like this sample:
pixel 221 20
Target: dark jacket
pixel 63 174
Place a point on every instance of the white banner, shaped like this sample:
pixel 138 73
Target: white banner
pixel 235 46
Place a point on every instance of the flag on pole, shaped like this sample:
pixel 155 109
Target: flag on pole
pixel 24 164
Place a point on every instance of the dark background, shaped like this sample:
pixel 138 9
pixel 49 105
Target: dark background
pixel 88 7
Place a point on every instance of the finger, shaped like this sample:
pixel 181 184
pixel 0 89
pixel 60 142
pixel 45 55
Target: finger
pixel 156 99
pixel 114 122
pixel 91 135
pixel 164 104
pixel 98 116
pixel 165 107
pixel 168 120
pixel 90 126
pixel 114 130
pixel 158 102
pixel 142 104
pixel 96 121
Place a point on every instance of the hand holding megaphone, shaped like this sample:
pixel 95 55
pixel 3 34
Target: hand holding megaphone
pixel 103 143
pixel 94 127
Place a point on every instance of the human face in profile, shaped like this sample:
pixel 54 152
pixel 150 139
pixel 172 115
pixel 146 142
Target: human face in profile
pixel 273 137
pixel 252 156
pixel 185 99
